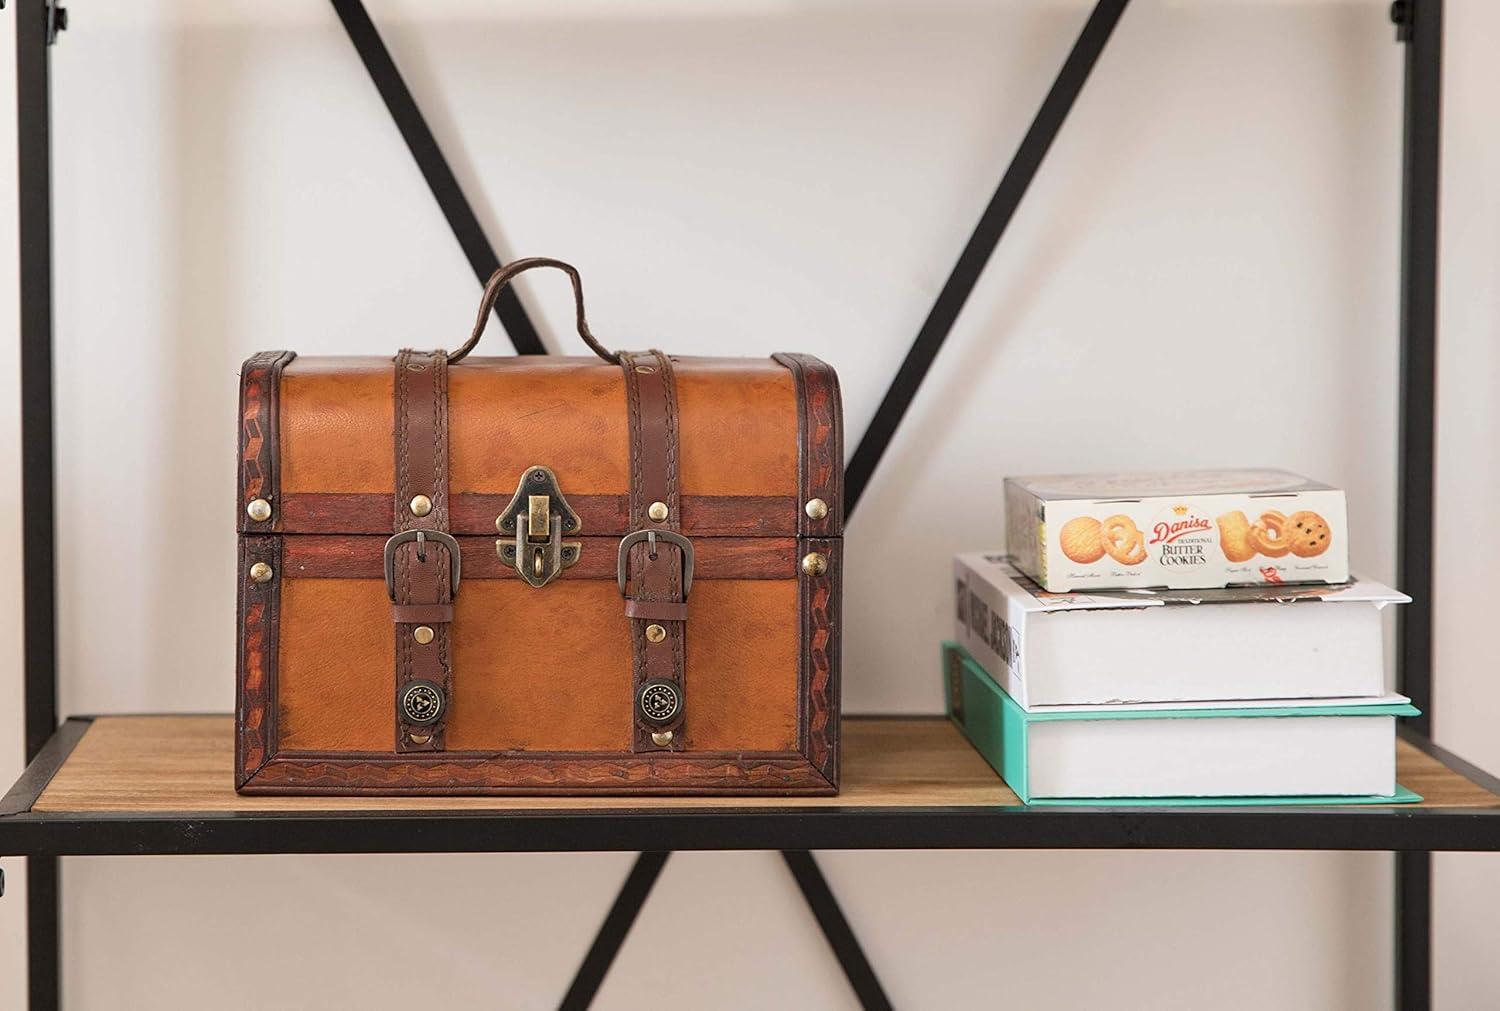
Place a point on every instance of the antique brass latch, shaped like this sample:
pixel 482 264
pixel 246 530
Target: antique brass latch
pixel 537 518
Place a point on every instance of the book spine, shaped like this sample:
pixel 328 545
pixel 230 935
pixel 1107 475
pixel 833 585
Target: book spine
pixel 990 627
pixel 991 721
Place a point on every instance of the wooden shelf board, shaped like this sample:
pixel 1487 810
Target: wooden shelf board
pixel 183 764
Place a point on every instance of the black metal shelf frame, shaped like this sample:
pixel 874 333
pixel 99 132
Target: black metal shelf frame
pixel 1411 835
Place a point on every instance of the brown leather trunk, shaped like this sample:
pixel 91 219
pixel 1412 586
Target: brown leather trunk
pixel 434 596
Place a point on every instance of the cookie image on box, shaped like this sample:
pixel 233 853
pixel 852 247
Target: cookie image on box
pixel 1081 541
pixel 1308 534
pixel 1234 536
pixel 1123 540
pixel 1268 535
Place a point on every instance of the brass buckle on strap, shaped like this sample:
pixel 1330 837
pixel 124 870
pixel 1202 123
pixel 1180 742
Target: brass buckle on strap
pixel 422 537
pixel 630 540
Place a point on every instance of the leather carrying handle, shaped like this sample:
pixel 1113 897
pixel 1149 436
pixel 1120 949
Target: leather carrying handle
pixel 500 278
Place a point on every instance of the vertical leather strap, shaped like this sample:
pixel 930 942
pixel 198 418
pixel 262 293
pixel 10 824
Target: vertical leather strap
pixel 422 588
pixel 656 600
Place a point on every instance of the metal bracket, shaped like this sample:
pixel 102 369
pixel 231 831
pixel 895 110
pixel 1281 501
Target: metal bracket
pixel 57 19
pixel 1402 16
pixel 537 517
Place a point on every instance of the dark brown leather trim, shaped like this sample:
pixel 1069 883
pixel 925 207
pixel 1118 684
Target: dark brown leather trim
pixel 821 474
pixel 422 569
pixel 655 577
pixel 334 557
pixel 259 613
pixel 656 610
pixel 556 773
pixel 422 614
pixel 260 444
pixel 821 449
pixel 601 515
pixel 821 599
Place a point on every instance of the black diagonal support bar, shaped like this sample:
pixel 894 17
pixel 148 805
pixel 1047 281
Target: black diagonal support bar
pixel 836 928
pixel 613 931
pixel 435 169
pixel 1002 206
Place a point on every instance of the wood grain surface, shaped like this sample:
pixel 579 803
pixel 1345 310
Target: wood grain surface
pixel 186 763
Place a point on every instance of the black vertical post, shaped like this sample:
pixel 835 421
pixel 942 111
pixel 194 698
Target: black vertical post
pixel 1420 28
pixel 1423 36
pixel 1413 930
pixel 34 27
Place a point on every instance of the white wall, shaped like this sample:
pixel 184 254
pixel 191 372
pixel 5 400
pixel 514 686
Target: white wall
pixel 1203 274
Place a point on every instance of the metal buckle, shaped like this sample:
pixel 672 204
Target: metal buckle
pixel 538 514
pixel 421 537
pixel 651 537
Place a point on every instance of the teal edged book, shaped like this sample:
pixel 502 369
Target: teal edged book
pixel 1214 754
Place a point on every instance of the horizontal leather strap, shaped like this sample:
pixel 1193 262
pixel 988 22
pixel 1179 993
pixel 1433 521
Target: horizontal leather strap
pixel 422 614
pixel 656 610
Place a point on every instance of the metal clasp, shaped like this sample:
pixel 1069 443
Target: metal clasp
pixel 537 516
pixel 651 537
pixel 422 537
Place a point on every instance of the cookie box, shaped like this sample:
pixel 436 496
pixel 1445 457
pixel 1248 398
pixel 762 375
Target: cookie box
pixel 1184 530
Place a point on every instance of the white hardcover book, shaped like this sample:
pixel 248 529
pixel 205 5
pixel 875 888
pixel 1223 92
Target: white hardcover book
pixel 1243 751
pixel 1146 646
pixel 1222 757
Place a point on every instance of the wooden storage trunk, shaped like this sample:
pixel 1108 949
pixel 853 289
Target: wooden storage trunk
pixel 434 596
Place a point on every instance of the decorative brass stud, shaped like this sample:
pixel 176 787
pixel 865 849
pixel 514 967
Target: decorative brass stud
pixel 661 738
pixel 657 511
pixel 816 508
pixel 421 505
pixel 259 510
pixel 260 572
pixel 419 738
pixel 814 563
pixel 422 634
pixel 422 703
pixel 655 633
pixel 658 703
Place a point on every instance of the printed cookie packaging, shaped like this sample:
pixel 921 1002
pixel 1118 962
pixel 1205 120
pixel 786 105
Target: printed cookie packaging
pixel 1185 530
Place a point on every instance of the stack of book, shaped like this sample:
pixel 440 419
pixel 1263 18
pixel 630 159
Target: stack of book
pixel 1253 689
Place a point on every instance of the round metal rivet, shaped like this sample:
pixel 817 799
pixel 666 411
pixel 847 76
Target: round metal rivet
pixel 816 508
pixel 419 738
pixel 659 702
pixel 260 572
pixel 422 702
pixel 421 505
pixel 422 634
pixel 259 510
pixel 655 633
pixel 657 511
pixel 662 738
pixel 814 563
pixel 644 369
